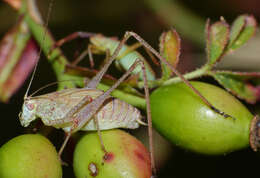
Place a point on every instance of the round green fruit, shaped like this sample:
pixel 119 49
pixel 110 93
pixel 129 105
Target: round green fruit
pixel 126 157
pixel 182 117
pixel 29 155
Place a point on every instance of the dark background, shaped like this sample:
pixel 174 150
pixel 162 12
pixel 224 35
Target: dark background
pixel 113 18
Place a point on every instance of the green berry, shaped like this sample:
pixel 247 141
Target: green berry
pixel 126 157
pixel 28 156
pixel 182 117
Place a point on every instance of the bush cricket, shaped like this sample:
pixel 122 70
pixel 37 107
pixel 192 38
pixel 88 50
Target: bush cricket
pixel 88 103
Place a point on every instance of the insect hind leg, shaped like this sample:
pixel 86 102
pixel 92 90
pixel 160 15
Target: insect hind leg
pixel 128 34
pixel 149 118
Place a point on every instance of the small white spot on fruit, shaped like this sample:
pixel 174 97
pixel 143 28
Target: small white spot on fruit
pixel 93 169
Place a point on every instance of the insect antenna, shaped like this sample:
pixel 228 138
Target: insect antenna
pixel 40 51
pixel 50 84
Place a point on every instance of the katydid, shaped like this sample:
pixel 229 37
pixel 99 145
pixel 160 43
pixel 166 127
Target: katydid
pixel 91 109
pixel 83 105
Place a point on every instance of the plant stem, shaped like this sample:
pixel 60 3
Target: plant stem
pixel 45 41
pixel 195 74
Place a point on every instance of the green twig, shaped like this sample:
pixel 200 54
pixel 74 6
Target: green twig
pixel 195 74
pixel 57 59
pixel 192 75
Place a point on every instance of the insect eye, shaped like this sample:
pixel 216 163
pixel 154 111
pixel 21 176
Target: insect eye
pixel 30 106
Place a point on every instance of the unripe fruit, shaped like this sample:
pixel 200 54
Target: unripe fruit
pixel 181 116
pixel 126 157
pixel 29 155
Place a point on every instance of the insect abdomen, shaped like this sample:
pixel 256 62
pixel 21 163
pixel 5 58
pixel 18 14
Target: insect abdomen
pixel 115 114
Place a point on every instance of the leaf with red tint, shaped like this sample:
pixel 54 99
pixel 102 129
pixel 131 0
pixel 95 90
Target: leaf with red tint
pixel 17 58
pixel 243 28
pixel 217 36
pixel 21 71
pixel 5 47
pixel 242 84
pixel 170 45
pixel 236 28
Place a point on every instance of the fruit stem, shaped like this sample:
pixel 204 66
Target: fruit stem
pixel 195 74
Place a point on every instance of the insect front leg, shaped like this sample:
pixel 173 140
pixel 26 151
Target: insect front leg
pixel 89 49
pixel 81 34
pixel 95 80
pixel 83 55
pixel 89 52
pixel 72 37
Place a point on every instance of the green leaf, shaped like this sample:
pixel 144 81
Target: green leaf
pixel 242 30
pixel 170 45
pixel 236 28
pixel 217 38
pixel 241 84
